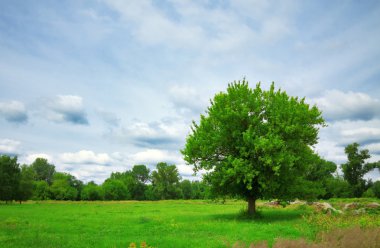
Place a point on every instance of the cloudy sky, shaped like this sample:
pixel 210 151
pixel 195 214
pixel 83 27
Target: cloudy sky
pixel 98 86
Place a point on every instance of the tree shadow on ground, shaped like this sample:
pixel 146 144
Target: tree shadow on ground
pixel 266 216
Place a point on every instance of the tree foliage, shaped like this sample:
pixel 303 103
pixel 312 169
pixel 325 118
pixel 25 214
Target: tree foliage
pixel 26 185
pixel 356 167
pixel 115 189
pixel 9 178
pixel 32 182
pixel 165 181
pixel 43 170
pixel 92 192
pixel 63 188
pixel 254 143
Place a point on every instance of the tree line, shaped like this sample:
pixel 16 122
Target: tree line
pixel 40 181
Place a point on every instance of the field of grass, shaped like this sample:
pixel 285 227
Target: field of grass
pixel 160 224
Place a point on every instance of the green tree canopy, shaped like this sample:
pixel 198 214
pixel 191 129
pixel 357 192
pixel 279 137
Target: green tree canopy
pixel 165 181
pixel 141 173
pixel 254 143
pixel 26 186
pixel 115 189
pixel 41 190
pixel 186 189
pixel 9 178
pixel 356 167
pixel 63 187
pixel 92 192
pixel 43 170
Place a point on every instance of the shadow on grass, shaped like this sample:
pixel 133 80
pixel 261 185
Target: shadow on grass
pixel 262 216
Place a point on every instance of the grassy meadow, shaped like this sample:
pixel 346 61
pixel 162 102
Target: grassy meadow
pixel 161 224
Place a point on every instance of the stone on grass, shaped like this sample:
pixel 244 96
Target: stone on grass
pixel 373 205
pixel 350 206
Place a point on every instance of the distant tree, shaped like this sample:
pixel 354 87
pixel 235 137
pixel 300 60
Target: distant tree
pixel 9 178
pixel 92 192
pixel 165 181
pixel 43 170
pixel 376 189
pixel 200 190
pixel 62 187
pixel 41 190
pixel 317 174
pixel 128 181
pixel 115 189
pixel 186 189
pixel 254 143
pixel 150 194
pixel 141 173
pixel 25 190
pixel 338 187
pixel 356 167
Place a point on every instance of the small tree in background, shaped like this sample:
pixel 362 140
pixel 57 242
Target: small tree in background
pixel 254 143
pixel 356 167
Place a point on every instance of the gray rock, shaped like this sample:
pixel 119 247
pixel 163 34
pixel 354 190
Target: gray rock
pixel 359 211
pixel 326 207
pixel 350 206
pixel 373 205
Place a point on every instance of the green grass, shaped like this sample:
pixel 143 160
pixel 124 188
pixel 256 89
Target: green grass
pixel 160 224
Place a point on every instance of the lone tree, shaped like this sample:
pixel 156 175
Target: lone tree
pixel 254 143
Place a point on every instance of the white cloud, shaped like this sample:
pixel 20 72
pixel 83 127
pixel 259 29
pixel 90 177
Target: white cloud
pixel 85 157
pixel 10 147
pixel 338 105
pixel 13 111
pixel 373 148
pixel 109 117
pixel 66 108
pixel 154 156
pixel 165 133
pixel 30 158
pixel 360 132
pixel 196 26
pixel 364 133
pixel 331 151
pixel 335 137
pixel 185 170
pixel 187 100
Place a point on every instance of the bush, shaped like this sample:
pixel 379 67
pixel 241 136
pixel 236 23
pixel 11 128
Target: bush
pixel 92 192
pixel 115 190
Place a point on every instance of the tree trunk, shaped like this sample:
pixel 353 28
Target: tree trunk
pixel 251 205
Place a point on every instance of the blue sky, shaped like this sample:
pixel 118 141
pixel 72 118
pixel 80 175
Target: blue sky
pixel 98 86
